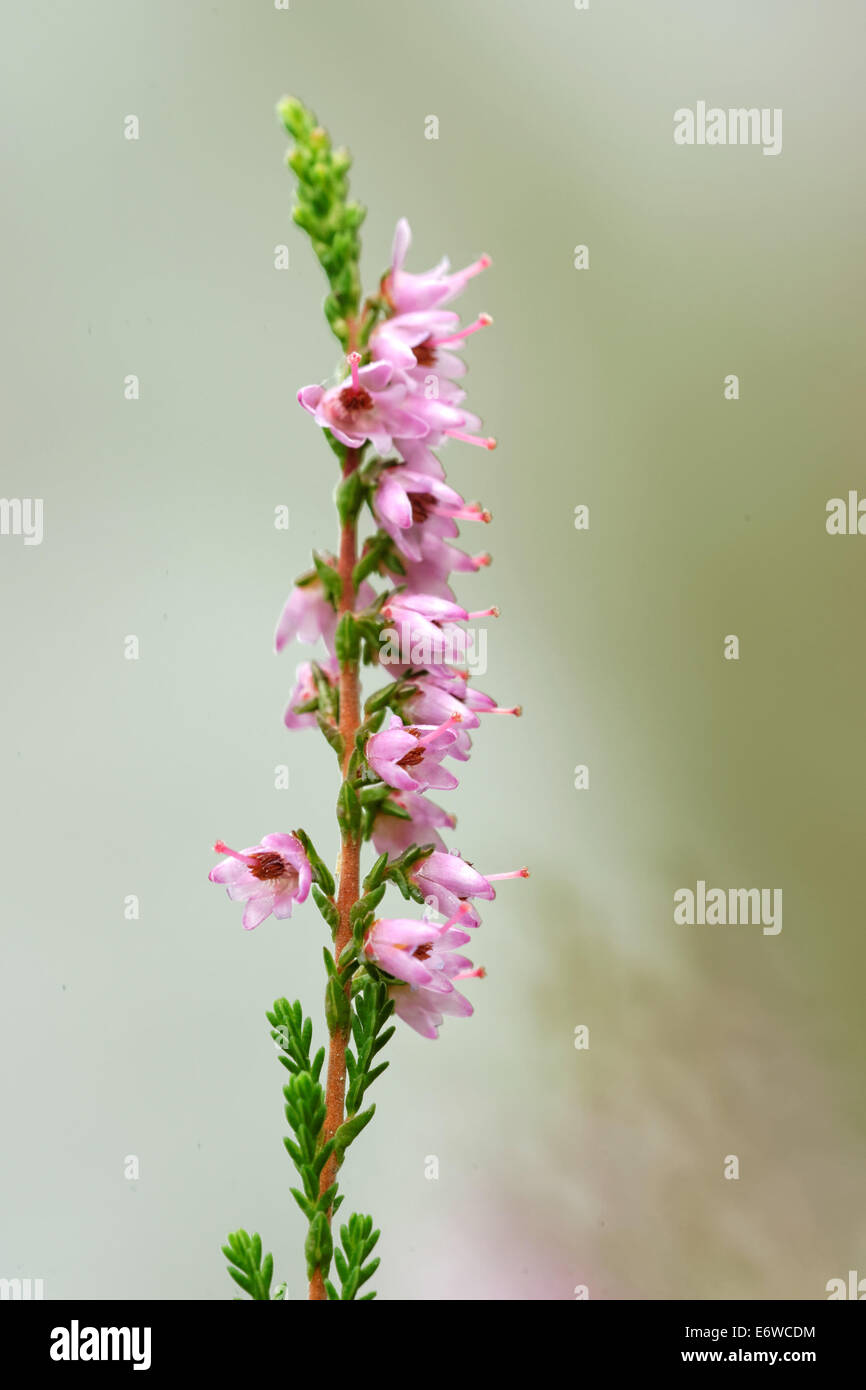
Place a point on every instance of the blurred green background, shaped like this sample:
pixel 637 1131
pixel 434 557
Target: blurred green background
pixel 557 1167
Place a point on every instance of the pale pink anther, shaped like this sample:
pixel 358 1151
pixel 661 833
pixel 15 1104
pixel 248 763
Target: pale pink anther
pixel 220 847
pixel 462 911
pixel 483 321
pixel 471 439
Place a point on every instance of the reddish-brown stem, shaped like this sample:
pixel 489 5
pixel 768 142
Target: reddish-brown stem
pixel 350 863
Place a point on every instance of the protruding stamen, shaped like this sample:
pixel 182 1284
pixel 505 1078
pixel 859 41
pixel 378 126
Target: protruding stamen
pixel 353 359
pixel 484 613
pixel 461 912
pixel 479 561
pixel 477 974
pixel 515 873
pixel 500 709
pixel 473 511
pixel 455 718
pixel 483 321
pixel 472 439
pixel 483 263
pixel 222 848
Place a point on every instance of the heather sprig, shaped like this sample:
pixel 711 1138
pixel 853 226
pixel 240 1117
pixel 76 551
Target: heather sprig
pixel 397 399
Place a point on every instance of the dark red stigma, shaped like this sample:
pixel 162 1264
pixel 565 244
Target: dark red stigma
pixel 267 865
pixel 355 398
pixel 425 353
pixel 421 502
pixel 411 758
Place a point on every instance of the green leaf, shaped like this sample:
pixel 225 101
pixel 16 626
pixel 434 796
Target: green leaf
pixel 350 1129
pixel 330 579
pixel 358 1239
pixel 246 1266
pixel 349 811
pixel 347 640
pixel 326 907
pixel 333 735
pixel 373 793
pixel 321 872
pixel 336 1006
pixel 349 496
pixel 318 1246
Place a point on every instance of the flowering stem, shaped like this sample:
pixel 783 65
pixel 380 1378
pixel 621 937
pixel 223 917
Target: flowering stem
pixel 348 890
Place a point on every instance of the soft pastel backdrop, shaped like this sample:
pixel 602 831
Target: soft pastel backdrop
pixel 556 1167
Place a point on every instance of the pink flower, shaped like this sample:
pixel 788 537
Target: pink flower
pixel 422 631
pixel 305 689
pixel 415 951
pixel 409 758
pixel 307 615
pixel 439 559
pixel 423 956
pixel 443 416
pixel 397 339
pixel 424 1009
pixel 448 882
pixel 410 293
pixel 434 701
pixel 424 618
pixel 405 501
pixel 422 346
pixel 375 404
pixel 269 876
pixel 393 834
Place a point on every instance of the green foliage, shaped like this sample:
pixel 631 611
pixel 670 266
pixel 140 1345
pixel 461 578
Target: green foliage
pixel 321 873
pixel 305 1111
pixel 347 640
pixel 372 1009
pixel 318 1246
pixel 293 1034
pixel 358 1240
pixel 333 736
pixel 324 212
pixel 387 696
pixel 336 1005
pixel 397 870
pixel 349 496
pixel 363 912
pixel 304 1105
pixel 330 579
pixel 379 553
pixel 349 811
pixel 327 907
pixel 246 1266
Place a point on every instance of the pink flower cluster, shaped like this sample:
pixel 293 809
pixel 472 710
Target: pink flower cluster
pixel 420 511
pixel 405 399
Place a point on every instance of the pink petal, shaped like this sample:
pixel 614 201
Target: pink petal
pixel 257 909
